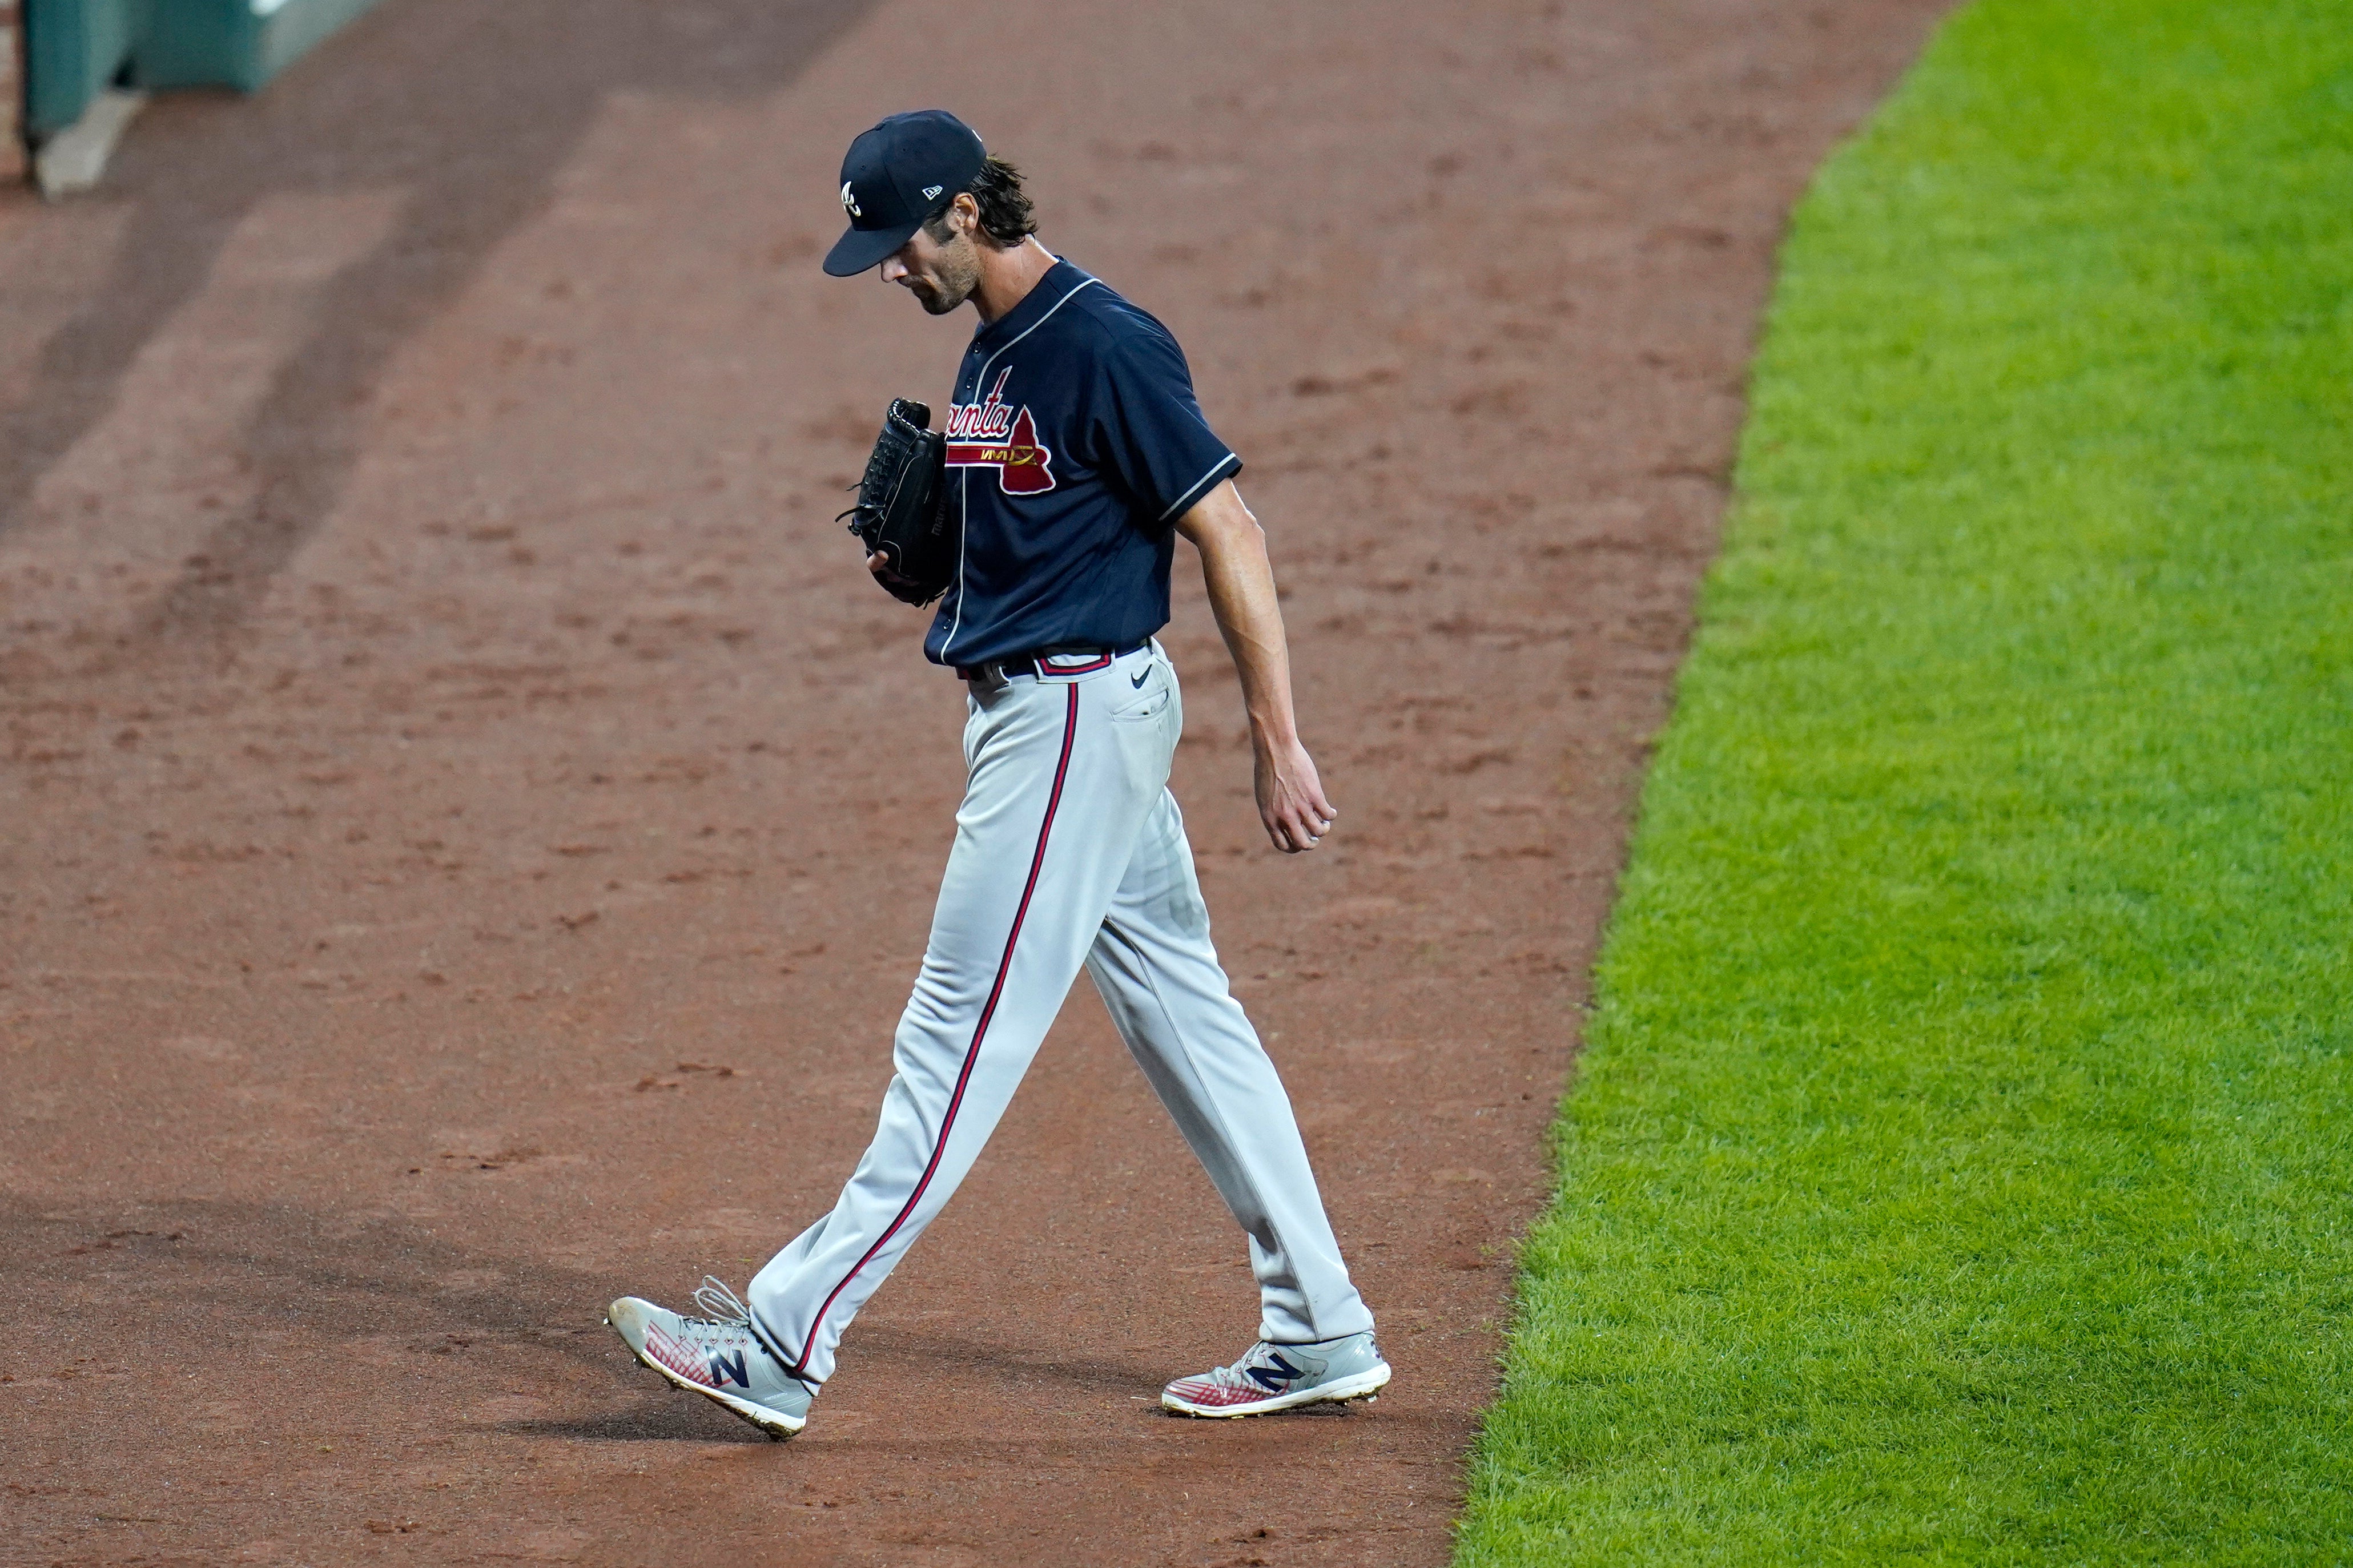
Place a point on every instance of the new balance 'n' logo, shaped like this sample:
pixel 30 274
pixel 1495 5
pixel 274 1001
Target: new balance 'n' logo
pixel 1274 1376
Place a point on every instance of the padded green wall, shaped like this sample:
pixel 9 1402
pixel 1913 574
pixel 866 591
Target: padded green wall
pixel 76 48
pixel 73 50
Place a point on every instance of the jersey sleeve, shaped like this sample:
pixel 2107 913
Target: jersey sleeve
pixel 1148 428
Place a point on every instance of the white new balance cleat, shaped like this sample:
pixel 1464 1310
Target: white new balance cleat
pixel 718 1357
pixel 1280 1377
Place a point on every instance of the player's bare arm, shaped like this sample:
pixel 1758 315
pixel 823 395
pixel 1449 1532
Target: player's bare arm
pixel 1240 578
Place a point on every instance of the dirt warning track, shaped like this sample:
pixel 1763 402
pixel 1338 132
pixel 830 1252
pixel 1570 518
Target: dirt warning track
pixel 470 826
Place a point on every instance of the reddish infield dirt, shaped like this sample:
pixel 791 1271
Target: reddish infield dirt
pixel 471 826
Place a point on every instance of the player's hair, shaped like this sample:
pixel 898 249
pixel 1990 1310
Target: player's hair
pixel 1006 218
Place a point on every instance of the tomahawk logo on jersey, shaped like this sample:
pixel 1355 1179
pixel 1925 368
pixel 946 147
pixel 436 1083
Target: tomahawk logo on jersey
pixel 1074 441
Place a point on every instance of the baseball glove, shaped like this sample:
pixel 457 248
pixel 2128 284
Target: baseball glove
pixel 901 512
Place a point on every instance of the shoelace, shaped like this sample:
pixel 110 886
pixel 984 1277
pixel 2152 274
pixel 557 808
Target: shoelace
pixel 729 1320
pixel 716 1299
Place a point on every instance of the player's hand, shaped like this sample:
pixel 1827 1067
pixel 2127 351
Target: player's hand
pixel 1291 797
pixel 880 565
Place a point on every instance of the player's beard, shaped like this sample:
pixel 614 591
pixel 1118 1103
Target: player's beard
pixel 955 275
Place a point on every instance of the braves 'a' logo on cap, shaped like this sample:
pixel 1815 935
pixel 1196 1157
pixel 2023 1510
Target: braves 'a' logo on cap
pixel 991 435
pixel 849 202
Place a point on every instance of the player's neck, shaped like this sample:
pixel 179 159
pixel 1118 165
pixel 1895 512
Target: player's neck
pixel 1007 276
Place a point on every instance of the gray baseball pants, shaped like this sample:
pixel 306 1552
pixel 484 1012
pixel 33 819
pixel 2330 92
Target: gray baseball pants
pixel 1068 851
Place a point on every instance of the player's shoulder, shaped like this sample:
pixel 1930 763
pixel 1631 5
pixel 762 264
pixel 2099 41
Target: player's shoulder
pixel 1112 321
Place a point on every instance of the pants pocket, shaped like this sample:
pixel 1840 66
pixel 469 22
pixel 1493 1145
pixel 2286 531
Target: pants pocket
pixel 1146 704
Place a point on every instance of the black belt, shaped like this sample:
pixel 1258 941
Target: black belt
pixel 1035 663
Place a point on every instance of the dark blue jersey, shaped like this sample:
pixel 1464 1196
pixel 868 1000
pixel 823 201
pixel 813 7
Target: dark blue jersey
pixel 1075 443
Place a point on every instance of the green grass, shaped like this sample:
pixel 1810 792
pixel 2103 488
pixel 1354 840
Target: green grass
pixel 1961 1164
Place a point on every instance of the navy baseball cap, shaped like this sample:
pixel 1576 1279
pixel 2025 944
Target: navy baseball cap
pixel 895 176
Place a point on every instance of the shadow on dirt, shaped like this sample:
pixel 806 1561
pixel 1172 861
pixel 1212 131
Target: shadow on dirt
pixel 684 1419
pixel 187 1271
pixel 472 109
pixel 177 1263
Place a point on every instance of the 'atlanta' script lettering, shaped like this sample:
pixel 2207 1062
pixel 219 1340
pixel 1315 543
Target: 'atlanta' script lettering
pixel 991 433
pixel 989 416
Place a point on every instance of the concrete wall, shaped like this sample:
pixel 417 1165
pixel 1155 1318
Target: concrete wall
pixel 13 163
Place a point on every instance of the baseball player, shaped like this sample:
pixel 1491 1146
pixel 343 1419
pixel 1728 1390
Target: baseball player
pixel 1075 454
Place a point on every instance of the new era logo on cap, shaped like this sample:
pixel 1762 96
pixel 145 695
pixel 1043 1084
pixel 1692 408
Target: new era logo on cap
pixel 891 179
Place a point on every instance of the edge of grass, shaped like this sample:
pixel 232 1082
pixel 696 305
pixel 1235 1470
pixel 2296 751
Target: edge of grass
pixel 1956 1169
